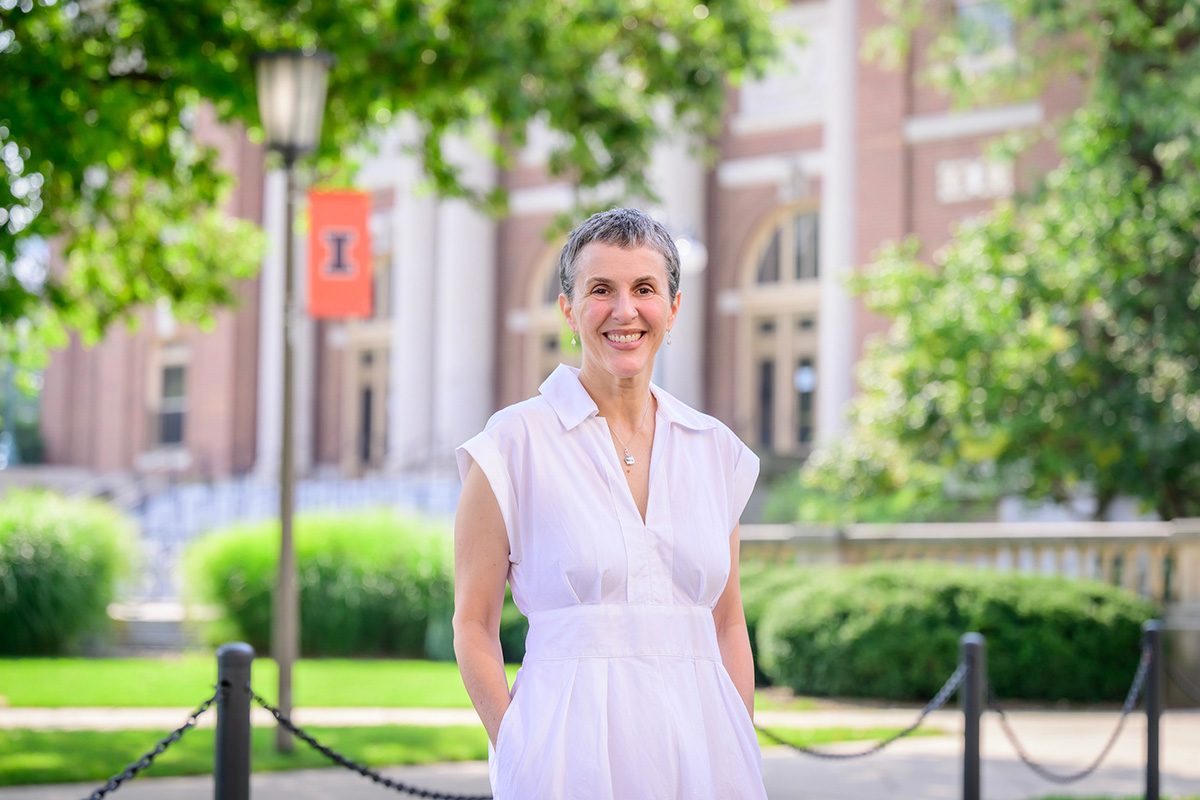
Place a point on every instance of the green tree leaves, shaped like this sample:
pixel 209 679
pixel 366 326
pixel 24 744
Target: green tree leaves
pixel 98 103
pixel 1054 349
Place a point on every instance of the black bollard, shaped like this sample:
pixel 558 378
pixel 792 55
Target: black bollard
pixel 973 696
pixel 1152 631
pixel 231 753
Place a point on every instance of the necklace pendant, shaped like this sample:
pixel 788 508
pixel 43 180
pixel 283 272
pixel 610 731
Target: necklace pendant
pixel 629 459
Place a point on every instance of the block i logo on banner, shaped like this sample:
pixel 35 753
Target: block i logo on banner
pixel 339 265
pixel 339 255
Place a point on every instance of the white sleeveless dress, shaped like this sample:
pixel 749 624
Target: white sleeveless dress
pixel 622 694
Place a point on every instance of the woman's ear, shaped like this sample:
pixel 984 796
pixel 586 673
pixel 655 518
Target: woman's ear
pixel 564 305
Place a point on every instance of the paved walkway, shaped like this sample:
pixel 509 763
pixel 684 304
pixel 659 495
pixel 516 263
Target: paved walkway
pixel 924 768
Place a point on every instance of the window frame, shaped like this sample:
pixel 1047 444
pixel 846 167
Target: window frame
pixel 778 325
pixel 168 356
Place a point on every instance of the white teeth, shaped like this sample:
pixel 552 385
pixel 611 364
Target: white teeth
pixel 623 339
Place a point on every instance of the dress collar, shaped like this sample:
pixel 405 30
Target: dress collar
pixel 573 404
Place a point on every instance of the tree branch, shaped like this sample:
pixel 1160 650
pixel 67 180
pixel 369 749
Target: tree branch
pixel 139 77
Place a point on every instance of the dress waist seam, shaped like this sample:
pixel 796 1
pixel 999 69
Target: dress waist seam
pixel 685 656
pixel 617 608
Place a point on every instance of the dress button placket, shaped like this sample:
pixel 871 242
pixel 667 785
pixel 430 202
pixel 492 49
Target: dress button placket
pixel 632 532
pixel 657 530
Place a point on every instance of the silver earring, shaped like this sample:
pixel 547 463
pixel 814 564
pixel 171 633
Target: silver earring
pixel 574 339
pixel 668 335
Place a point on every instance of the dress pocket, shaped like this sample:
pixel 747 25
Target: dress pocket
pixel 504 724
pixel 507 721
pixel 734 700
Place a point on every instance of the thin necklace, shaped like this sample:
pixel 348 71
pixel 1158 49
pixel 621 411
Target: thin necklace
pixel 628 458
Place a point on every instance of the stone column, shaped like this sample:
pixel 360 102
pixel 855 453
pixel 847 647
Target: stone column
pixel 678 176
pixel 414 253
pixel 835 327
pixel 464 300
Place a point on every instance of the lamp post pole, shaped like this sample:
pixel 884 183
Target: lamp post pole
pixel 285 621
pixel 291 102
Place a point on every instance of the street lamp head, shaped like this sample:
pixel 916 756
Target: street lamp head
pixel 291 99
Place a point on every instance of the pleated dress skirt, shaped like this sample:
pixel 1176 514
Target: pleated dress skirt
pixel 629 702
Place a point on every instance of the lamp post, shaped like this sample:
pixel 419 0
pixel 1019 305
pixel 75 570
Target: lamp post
pixel 291 102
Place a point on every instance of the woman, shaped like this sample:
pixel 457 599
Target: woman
pixel 611 508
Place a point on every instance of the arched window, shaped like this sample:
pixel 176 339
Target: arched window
pixel 778 358
pixel 791 251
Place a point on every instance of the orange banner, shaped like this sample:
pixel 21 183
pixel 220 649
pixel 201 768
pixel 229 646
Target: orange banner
pixel 339 255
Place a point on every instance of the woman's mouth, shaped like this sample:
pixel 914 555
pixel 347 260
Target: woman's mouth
pixel 624 338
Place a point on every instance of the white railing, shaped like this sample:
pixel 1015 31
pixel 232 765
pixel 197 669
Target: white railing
pixel 171 519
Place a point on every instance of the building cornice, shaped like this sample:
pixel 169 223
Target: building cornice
pixel 938 127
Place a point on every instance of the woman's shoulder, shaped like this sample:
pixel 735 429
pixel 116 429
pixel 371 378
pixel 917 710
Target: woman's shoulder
pixel 705 435
pixel 681 414
pixel 520 419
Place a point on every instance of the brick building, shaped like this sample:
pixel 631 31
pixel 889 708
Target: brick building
pixel 817 166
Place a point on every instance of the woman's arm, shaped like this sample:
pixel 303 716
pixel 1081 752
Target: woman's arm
pixel 732 637
pixel 480 570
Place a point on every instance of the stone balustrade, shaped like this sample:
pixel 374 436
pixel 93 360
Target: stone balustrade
pixel 1159 560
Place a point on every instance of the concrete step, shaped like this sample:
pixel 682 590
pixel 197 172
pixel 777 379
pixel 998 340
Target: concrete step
pixel 157 627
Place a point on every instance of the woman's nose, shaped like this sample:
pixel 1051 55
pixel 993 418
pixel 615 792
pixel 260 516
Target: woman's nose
pixel 625 309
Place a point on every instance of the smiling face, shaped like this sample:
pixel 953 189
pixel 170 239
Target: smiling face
pixel 621 309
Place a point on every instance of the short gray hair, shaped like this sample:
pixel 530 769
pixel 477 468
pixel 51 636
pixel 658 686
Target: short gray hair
pixel 627 228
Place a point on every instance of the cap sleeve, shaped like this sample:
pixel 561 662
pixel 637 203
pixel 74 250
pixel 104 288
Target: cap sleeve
pixel 745 474
pixel 483 451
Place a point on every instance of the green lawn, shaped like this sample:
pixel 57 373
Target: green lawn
pixel 814 737
pixel 30 757
pixel 186 680
pixel 33 757
pixel 775 700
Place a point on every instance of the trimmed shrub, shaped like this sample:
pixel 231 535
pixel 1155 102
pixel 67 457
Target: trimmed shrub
pixel 761 585
pixel 27 436
pixel 891 631
pixel 59 563
pixel 370 582
pixel 514 626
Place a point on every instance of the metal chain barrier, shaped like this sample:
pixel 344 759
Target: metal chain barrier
pixel 952 684
pixel 350 764
pixel 1135 690
pixel 137 766
pixel 948 689
pixel 1185 686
